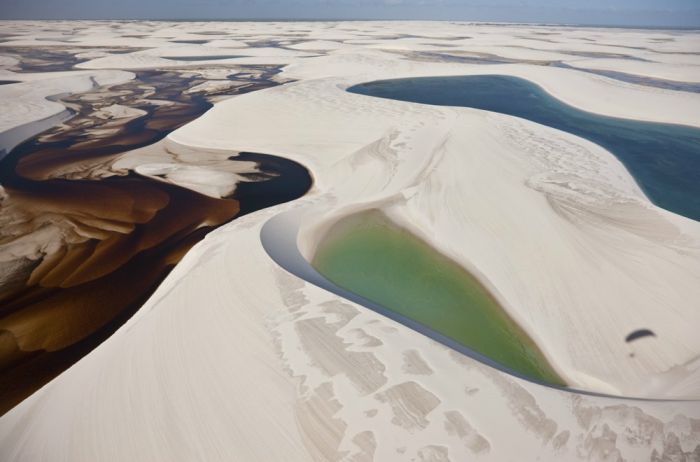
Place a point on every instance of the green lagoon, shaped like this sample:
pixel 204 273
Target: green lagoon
pixel 372 257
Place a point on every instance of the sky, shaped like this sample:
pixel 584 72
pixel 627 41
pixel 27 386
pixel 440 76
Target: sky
pixel 677 13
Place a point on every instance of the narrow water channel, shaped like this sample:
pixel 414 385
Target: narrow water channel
pixel 104 243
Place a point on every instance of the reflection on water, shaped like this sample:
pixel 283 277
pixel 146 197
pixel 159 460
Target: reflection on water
pixel 664 159
pixel 54 58
pixel 193 42
pixel 101 241
pixel 50 59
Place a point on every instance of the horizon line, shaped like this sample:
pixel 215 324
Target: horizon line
pixel 330 19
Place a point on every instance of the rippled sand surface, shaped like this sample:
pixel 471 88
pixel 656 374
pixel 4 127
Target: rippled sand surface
pixel 235 356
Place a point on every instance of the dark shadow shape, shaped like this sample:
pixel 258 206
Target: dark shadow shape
pixel 639 333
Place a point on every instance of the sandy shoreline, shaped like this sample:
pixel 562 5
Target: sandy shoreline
pixel 233 357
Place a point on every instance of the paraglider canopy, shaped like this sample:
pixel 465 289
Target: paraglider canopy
pixel 639 333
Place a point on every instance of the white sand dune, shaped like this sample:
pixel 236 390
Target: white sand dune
pixel 7 61
pixel 678 72
pixel 226 43
pixel 167 57
pixel 233 358
pixel 542 163
pixel 26 109
pixel 314 45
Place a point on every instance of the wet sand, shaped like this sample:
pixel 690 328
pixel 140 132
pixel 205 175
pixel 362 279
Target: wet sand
pixel 104 240
pixel 235 358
